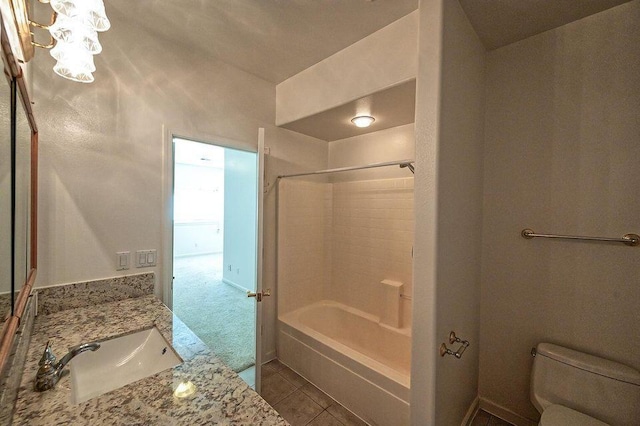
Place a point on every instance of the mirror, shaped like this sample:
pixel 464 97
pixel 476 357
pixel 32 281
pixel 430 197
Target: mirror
pixel 18 190
pixel 22 212
pixel 5 199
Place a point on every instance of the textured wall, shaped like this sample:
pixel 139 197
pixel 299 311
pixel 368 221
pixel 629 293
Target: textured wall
pixel 449 139
pixel 101 149
pixel 459 227
pixel 396 143
pixel 240 232
pixel 561 156
pixel 101 145
pixel 423 342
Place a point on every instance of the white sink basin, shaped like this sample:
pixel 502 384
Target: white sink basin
pixel 120 361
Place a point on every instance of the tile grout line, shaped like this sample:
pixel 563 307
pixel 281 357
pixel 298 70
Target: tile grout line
pixel 309 422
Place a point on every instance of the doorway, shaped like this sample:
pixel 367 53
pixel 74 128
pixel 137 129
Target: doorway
pixel 215 241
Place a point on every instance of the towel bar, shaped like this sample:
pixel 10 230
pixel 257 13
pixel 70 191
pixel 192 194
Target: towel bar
pixel 628 239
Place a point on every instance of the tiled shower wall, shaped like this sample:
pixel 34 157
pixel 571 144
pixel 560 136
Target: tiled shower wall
pixel 372 241
pixel 338 241
pixel 304 239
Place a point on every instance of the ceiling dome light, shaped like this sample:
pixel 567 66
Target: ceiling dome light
pixel 363 120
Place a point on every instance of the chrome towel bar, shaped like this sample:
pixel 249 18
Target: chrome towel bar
pixel 628 239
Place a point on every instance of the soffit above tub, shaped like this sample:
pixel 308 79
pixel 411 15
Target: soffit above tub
pixel 391 107
pixel 502 22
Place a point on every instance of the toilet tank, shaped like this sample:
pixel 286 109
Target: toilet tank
pixel 595 386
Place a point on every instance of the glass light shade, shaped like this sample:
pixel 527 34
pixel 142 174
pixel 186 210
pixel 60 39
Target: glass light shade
pixel 73 54
pixel 91 43
pixel 65 7
pixel 82 76
pixel 97 21
pixel 90 12
pixel 363 120
pixel 68 31
pixel 74 64
pixel 75 31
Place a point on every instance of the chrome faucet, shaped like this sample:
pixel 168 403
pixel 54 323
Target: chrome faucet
pixel 50 371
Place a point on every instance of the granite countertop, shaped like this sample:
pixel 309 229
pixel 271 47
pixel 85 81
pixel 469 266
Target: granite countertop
pixel 222 398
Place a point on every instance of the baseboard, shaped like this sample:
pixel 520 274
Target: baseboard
pixel 471 412
pixel 269 356
pixel 235 285
pixel 505 414
pixel 203 253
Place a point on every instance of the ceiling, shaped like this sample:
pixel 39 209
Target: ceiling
pixel 502 22
pixel 272 39
pixel 276 39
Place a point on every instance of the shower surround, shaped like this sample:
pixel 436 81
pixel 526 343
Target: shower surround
pixel 337 242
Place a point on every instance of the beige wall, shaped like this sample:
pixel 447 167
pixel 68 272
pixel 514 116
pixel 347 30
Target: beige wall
pixel 459 226
pixel 449 142
pixel 380 60
pixel 423 342
pixel 561 156
pixel 396 143
pixel 101 150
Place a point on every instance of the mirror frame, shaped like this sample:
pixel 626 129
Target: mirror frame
pixel 14 71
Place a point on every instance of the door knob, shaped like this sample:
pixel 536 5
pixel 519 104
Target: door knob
pixel 259 295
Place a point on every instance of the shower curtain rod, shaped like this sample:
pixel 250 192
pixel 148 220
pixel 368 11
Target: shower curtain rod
pixel 402 163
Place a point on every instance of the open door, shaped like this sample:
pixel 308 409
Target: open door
pixel 216 248
pixel 259 294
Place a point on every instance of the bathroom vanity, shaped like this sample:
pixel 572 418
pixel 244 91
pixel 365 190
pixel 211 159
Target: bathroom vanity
pixel 220 396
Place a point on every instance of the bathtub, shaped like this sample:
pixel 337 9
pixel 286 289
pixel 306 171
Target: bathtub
pixel 345 352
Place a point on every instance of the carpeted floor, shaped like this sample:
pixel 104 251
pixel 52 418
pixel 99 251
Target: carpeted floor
pixel 222 316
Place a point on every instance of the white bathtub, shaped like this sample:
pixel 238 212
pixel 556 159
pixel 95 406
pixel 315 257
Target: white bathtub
pixel 345 352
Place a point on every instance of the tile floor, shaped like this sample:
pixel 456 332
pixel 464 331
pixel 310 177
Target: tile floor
pixel 303 404
pixel 300 402
pixel 483 418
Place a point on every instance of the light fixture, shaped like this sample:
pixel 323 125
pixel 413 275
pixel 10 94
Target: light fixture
pixel 363 120
pixel 74 31
pixel 76 34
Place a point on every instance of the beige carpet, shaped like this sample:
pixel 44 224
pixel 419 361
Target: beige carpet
pixel 222 316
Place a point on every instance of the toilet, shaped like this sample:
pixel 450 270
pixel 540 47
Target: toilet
pixel 571 388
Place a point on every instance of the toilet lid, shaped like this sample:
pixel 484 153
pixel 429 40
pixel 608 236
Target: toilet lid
pixel 558 415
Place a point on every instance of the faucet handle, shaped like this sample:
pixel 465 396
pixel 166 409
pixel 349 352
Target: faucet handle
pixel 47 356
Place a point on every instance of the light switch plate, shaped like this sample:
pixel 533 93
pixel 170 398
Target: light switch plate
pixel 146 258
pixel 122 260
